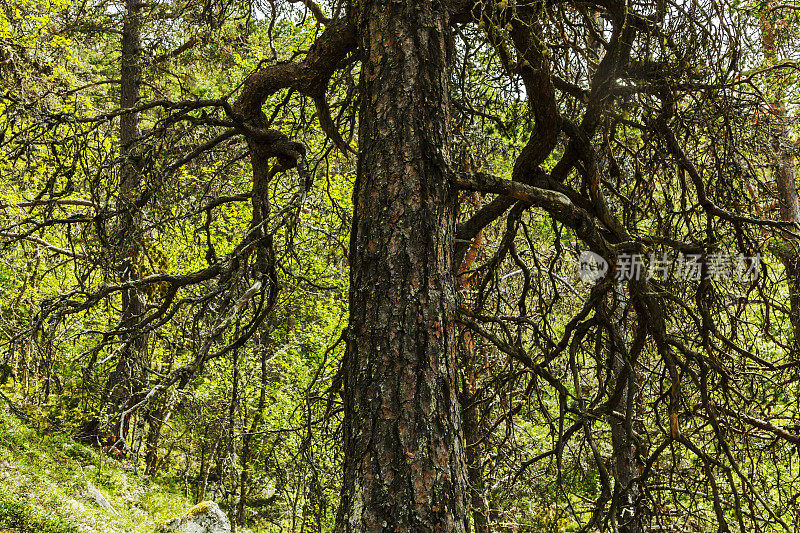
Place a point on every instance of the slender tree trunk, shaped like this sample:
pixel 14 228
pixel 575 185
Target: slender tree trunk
pixel 404 464
pixel 626 465
pixel 247 441
pixel 473 432
pixel 203 474
pixel 231 448
pixel 471 415
pixel 789 252
pixel 784 169
pixel 157 417
pixel 128 377
pixel 205 470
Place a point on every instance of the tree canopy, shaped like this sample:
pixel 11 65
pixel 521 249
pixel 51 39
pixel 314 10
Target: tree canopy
pixel 375 265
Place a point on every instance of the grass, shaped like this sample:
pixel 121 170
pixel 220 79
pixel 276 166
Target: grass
pixel 43 481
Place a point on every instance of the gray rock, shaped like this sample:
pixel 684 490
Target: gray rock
pixel 205 517
pixel 95 495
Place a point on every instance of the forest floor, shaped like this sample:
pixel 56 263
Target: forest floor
pixel 45 479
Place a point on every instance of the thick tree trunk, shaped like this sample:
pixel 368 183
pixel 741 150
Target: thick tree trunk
pixel 404 456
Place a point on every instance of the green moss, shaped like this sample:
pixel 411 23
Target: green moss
pixel 200 508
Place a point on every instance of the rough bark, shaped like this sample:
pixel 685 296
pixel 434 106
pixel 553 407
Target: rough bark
pixel 127 378
pixel 248 438
pixel 474 430
pixel 626 464
pixel 404 466
pixel 156 419
pixel 784 171
pixel 789 252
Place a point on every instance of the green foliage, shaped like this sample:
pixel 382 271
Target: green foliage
pixel 60 192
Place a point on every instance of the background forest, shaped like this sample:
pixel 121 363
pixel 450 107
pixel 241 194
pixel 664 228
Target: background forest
pixel 183 313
